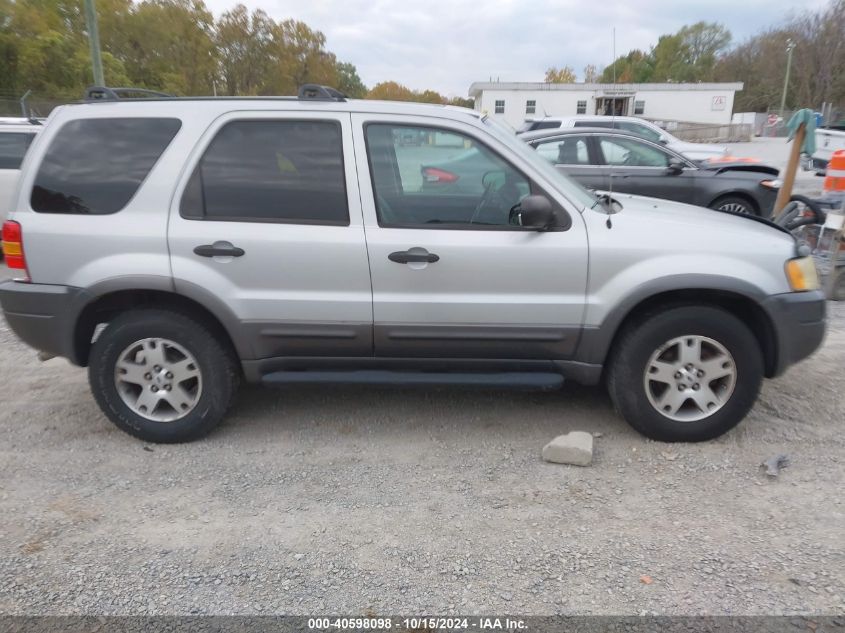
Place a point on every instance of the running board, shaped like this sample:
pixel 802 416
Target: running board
pixel 509 380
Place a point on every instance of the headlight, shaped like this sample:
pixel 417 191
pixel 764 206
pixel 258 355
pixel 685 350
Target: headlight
pixel 802 275
pixel 772 184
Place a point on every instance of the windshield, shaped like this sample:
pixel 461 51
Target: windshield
pixel 564 184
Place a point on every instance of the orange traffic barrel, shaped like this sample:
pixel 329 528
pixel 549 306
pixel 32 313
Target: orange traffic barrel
pixel 835 176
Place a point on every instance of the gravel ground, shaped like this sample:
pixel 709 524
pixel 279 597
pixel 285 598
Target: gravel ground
pixel 312 501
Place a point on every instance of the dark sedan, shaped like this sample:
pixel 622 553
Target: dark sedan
pixel 612 160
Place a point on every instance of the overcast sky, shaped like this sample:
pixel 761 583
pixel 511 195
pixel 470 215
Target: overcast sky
pixel 448 45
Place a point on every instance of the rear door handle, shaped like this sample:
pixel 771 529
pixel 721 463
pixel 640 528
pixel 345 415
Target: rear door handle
pixel 415 255
pixel 218 249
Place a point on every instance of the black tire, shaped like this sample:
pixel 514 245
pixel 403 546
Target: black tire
pixel 725 202
pixel 217 366
pixel 645 335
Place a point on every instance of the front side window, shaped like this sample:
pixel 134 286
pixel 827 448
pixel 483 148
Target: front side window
pixel 450 180
pixel 530 106
pixel 570 150
pixel 500 106
pixel 639 107
pixel 581 107
pixel 629 152
pixel 13 146
pixel 95 166
pixel 271 171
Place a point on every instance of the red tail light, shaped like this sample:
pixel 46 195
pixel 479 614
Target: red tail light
pixel 13 246
pixel 440 176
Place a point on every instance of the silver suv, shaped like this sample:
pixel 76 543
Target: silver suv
pixel 178 246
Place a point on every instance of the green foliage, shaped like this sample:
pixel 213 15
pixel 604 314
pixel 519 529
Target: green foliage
pixel 462 102
pixel 170 45
pixel 348 81
pixel 636 67
pixel 817 61
pixel 687 56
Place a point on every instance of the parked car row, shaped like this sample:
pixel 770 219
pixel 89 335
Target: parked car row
pixel 634 125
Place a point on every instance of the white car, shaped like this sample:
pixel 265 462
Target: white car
pixel 636 125
pixel 16 135
pixel 828 140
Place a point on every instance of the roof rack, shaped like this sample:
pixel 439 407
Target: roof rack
pixel 307 92
pixel 316 92
pixel 102 93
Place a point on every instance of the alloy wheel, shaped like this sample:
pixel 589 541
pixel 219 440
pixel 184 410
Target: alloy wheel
pixel 690 378
pixel 158 379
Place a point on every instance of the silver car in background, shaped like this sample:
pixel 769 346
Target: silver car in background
pixel 635 125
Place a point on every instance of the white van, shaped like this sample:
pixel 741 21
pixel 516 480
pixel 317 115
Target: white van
pixel 16 135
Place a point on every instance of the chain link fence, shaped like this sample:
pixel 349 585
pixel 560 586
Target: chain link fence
pixel 12 106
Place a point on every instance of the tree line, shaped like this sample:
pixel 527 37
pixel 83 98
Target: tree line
pixel 175 46
pixel 702 52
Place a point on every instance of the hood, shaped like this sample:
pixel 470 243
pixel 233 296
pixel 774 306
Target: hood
pixel 697 221
pixel 653 239
pixel 738 165
pixel 698 151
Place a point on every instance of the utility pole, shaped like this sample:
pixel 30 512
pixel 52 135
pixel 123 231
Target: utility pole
pixel 94 41
pixel 790 45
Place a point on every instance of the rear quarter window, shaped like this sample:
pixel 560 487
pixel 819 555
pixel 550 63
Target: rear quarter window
pixel 95 166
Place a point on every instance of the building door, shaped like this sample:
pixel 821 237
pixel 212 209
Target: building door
pixel 612 106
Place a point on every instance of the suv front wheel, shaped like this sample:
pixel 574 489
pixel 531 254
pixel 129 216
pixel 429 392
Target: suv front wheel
pixel 685 374
pixel 161 376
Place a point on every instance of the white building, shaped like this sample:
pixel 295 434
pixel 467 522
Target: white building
pixel 517 102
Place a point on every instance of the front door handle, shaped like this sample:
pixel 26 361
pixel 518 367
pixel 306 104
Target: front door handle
pixel 417 255
pixel 218 249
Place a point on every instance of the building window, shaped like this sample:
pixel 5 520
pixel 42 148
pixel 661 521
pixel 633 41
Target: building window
pixel 530 107
pixel 639 107
pixel 582 108
pixel 500 107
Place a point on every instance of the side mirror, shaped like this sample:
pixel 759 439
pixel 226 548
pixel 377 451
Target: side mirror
pixel 535 212
pixel 675 167
pixel 663 140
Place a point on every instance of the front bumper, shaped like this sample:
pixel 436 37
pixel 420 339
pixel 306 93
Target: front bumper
pixel 799 324
pixel 43 316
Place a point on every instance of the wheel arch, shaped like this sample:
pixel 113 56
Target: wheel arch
pixel 105 303
pixel 597 343
pixel 737 193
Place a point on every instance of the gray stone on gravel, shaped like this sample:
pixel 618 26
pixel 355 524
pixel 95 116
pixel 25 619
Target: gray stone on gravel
pixel 576 448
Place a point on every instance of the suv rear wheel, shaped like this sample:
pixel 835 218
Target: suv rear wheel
pixel 685 374
pixel 161 376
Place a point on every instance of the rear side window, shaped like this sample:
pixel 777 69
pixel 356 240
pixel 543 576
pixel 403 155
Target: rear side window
pixel 271 171
pixel 13 146
pixel 599 123
pixel 95 166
